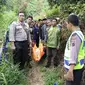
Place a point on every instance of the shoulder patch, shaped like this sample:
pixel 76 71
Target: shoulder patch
pixel 73 44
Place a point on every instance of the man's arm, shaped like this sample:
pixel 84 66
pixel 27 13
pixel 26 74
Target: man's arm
pixel 12 45
pixel 75 47
pixel 12 34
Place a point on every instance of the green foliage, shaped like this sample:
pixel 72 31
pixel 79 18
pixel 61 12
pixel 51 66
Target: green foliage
pixel 5 20
pixel 64 10
pixel 31 7
pixel 2 4
pixel 14 5
pixel 52 75
pixel 64 36
pixel 10 75
pixel 59 2
pixel 36 7
pixel 55 11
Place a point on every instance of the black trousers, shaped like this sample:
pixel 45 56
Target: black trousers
pixel 20 54
pixel 77 77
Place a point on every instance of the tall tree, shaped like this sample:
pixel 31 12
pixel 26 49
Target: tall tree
pixel 31 7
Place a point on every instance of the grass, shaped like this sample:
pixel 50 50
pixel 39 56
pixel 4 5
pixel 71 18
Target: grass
pixel 10 74
pixel 52 75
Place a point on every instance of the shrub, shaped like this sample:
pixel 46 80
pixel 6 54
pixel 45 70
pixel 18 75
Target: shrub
pixel 10 75
pixel 53 75
pixel 5 20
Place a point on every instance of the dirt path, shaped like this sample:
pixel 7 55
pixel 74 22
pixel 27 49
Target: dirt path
pixel 35 76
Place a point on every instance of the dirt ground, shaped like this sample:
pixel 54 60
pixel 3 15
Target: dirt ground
pixel 35 77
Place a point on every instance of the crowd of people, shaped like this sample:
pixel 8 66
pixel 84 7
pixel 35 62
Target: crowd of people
pixel 23 34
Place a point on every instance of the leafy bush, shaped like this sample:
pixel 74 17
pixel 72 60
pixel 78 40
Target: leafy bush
pixel 5 20
pixel 63 10
pixel 64 37
pixel 53 75
pixel 10 75
pixel 55 11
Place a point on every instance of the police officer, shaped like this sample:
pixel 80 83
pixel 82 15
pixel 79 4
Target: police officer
pixel 74 52
pixel 19 36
